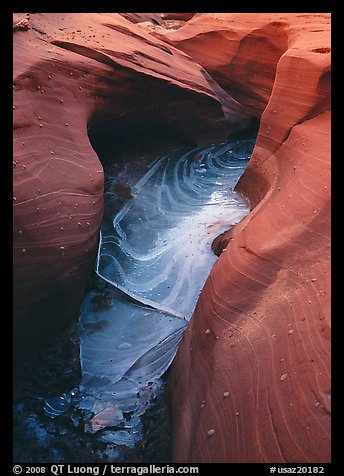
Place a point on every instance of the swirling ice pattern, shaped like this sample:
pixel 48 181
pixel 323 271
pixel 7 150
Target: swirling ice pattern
pixel 159 248
pixel 155 261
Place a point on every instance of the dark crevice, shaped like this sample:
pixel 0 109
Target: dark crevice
pixel 126 148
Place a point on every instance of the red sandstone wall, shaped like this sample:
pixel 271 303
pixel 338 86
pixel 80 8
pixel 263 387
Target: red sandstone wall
pixel 261 378
pixel 73 72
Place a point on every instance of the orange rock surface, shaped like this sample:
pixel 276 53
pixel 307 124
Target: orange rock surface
pixel 177 16
pixel 241 51
pixel 75 73
pixel 257 388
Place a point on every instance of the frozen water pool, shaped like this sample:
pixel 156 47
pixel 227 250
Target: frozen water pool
pixel 155 256
pixel 153 259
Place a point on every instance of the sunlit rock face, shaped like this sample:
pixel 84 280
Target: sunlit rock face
pixel 74 73
pixel 254 363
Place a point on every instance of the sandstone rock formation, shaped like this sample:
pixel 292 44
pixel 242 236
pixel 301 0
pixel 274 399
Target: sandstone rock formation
pixel 75 74
pixel 241 51
pixel 177 16
pixel 256 388
pixel 142 17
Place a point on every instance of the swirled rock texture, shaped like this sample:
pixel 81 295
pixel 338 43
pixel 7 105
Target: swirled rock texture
pixel 177 16
pixel 251 379
pixel 241 51
pixel 75 73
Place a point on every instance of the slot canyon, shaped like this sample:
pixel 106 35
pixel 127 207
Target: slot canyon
pixel 171 212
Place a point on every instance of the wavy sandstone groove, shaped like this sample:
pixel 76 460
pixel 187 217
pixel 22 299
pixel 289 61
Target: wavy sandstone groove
pixel 261 378
pixel 74 72
pixel 256 386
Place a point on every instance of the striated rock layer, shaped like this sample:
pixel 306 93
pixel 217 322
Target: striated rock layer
pixel 241 51
pixel 251 380
pixel 75 73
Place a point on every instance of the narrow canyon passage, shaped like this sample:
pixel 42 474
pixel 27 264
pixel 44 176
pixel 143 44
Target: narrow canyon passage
pixel 112 276
pixel 153 259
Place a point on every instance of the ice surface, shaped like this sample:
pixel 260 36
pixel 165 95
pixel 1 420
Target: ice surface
pixel 154 261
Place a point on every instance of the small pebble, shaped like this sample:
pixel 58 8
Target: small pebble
pixel 283 377
pixel 23 251
pixel 61 101
pixel 208 331
pixel 313 280
pixel 226 394
pixel 52 152
pixel 14 107
pixel 211 432
pixel 66 124
pixel 79 224
pixel 291 332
